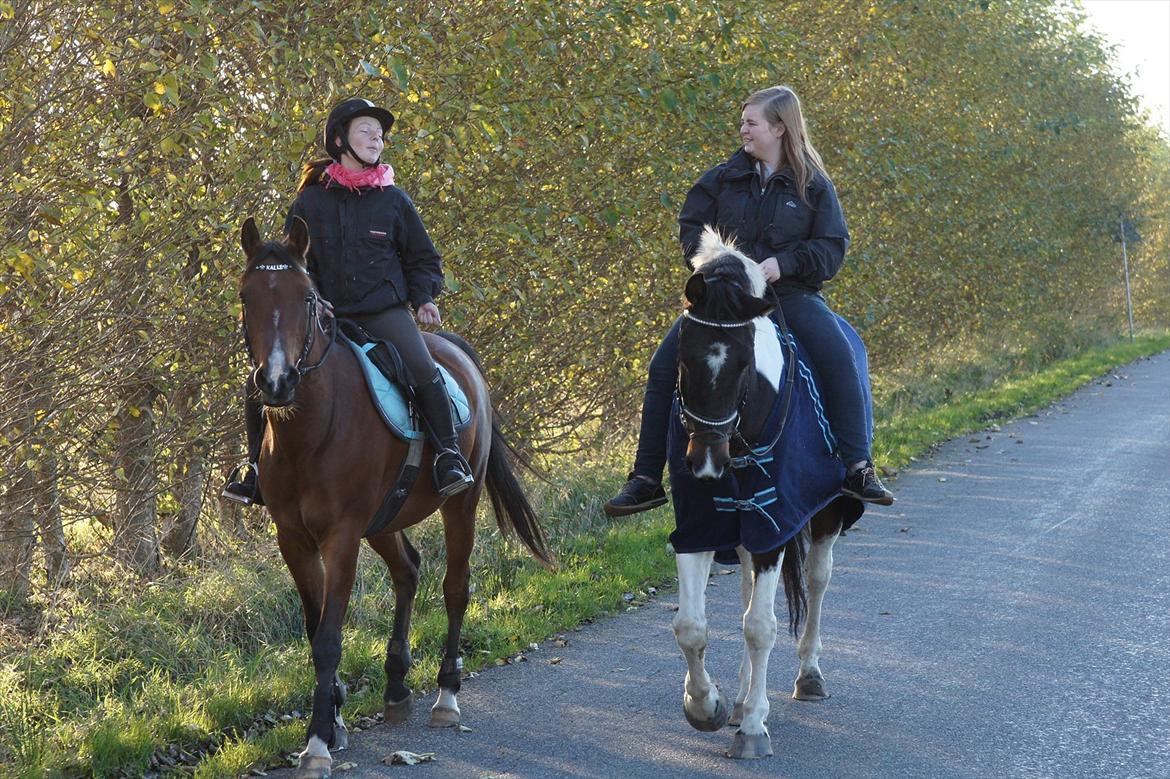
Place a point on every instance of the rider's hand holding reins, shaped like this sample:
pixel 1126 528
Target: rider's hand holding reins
pixel 428 314
pixel 771 269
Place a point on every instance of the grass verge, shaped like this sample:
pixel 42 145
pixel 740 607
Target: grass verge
pixel 198 659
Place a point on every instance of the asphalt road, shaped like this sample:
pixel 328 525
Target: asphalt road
pixel 1008 617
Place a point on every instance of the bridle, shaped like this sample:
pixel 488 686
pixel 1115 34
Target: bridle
pixel 313 311
pixel 717 430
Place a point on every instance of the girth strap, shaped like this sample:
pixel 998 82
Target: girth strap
pixel 400 488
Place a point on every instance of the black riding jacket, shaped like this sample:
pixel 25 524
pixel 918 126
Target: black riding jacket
pixel 368 250
pixel 769 219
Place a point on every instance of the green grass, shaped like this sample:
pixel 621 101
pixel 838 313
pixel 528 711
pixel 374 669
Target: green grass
pixel 122 670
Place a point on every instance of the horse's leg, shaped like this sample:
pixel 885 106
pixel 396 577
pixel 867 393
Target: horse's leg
pixel 818 569
pixel 703 703
pixel 303 559
pixel 759 631
pixel 326 728
pixel 402 559
pixel 745 666
pixel 459 536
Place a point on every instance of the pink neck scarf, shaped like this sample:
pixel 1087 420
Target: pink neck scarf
pixel 377 176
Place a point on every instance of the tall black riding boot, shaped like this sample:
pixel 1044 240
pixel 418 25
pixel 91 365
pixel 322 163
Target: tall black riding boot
pixel 451 472
pixel 242 485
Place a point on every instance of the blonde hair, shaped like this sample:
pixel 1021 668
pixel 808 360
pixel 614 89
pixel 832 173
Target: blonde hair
pixel 780 105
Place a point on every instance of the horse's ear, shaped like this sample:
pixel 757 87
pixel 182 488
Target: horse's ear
pixel 298 238
pixel 696 288
pixel 250 237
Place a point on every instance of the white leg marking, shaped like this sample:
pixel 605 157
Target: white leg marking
pixel 818 570
pixel 745 598
pixel 316 748
pixel 690 627
pixel 759 630
pixel 769 355
pixel 446 700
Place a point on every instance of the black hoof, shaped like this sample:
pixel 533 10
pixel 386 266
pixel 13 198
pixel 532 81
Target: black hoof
pixel 398 712
pixel 717 720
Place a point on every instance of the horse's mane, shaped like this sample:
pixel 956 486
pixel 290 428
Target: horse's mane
pixel 732 278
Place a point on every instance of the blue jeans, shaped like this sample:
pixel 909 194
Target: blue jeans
pixel 813 323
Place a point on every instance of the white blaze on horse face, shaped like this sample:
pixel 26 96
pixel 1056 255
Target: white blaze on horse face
pixel 707 470
pixel 716 359
pixel 277 362
pixel 769 356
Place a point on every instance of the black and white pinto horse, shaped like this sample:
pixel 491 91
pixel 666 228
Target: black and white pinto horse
pixel 730 368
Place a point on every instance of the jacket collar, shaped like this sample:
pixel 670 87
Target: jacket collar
pixel 742 165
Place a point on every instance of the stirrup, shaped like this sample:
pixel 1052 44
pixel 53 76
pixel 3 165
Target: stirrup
pixel 236 491
pixel 455 487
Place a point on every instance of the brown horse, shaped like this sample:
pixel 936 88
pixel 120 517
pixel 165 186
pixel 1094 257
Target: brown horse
pixel 328 460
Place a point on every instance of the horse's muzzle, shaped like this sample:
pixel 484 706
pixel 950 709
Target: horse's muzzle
pixel 708 461
pixel 277 391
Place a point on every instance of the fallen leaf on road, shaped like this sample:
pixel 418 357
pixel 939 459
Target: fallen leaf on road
pixel 402 757
pixel 462 729
pixel 554 661
pixel 345 767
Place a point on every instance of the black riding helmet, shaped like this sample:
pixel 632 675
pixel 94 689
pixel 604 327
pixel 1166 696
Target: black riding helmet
pixel 335 140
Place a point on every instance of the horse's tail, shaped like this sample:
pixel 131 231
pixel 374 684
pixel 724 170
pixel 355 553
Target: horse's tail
pixel 514 514
pixel 792 569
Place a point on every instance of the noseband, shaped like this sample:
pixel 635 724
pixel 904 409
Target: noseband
pixel 713 434
pixel 313 311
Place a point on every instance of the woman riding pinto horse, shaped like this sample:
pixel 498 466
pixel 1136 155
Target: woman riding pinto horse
pixel 732 388
pixel 773 197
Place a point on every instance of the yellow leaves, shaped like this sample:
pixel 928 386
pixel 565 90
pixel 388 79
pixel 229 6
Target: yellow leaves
pixel 108 70
pixel 165 7
pixel 160 88
pixel 6 10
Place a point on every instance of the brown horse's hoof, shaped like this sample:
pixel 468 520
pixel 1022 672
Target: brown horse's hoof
pixel 443 717
pixel 314 767
pixel 736 718
pixel 396 713
pixel 750 747
pixel 810 688
pixel 717 720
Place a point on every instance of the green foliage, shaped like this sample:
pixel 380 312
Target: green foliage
pixel 982 150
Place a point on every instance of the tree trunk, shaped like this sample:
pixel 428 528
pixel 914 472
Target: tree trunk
pixel 135 539
pixel 17 538
pixel 47 504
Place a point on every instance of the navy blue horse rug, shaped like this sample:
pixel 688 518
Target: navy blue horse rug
pixel 768 495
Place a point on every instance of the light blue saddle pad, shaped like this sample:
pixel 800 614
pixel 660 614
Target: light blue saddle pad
pixel 391 402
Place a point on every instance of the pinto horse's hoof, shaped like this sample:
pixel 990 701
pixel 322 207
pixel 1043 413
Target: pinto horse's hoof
pixel 717 720
pixel 314 767
pixel 398 712
pixel 736 715
pixel 340 738
pixel 750 746
pixel 810 688
pixel 443 717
